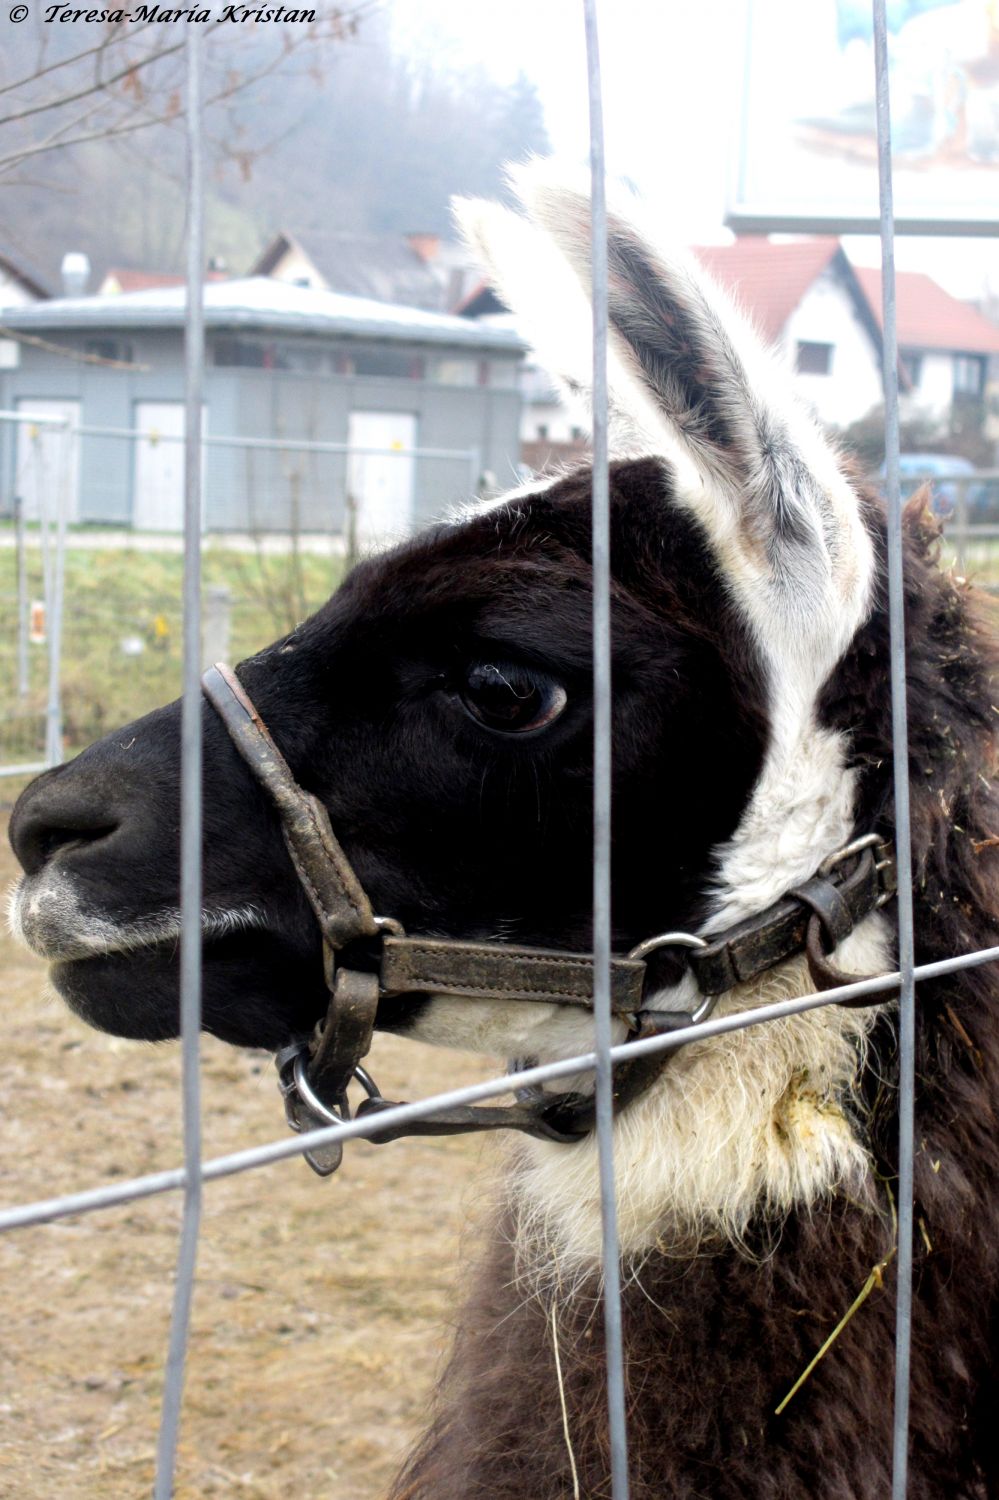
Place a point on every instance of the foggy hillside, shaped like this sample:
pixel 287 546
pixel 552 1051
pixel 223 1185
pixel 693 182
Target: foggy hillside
pixel 330 129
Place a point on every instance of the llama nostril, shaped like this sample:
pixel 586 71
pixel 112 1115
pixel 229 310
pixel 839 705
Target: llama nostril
pixel 43 825
pixel 49 841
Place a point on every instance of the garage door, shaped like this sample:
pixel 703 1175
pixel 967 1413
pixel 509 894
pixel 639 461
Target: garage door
pixel 381 477
pixel 158 471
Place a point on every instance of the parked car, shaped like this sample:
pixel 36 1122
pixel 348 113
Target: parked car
pixel 916 469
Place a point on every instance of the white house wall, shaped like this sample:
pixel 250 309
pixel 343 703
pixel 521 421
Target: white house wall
pixel 826 315
pixel 934 391
pixel 549 422
pixel 13 293
pixel 296 268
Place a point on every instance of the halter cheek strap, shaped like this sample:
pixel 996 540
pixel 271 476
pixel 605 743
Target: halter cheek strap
pixel 334 891
pixel 314 1073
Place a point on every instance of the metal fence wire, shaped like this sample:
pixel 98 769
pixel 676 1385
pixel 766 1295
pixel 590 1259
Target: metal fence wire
pixel 284 519
pixel 55 467
pixel 190 1177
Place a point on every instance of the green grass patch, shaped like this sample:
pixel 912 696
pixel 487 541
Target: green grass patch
pixel 123 631
pixel 122 638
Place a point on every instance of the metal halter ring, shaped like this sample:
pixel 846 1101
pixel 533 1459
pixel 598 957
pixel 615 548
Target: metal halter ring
pixel 310 1098
pixel 667 940
pixel 866 841
pixel 390 926
pixel 678 940
pixel 367 1083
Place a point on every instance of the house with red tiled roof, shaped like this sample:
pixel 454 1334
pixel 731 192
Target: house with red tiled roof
pixel 823 317
pixel 947 348
pixel 123 279
pixel 808 303
pixel 805 299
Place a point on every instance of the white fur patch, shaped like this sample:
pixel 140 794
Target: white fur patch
pixel 470 509
pixel 760 1120
pixel 44 912
pixel 509 1028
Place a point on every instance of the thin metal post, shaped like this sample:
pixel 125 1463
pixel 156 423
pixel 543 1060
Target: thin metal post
pixel 900 753
pixel 23 675
pixel 602 778
pixel 41 458
pixel 216 631
pixel 54 607
pixel 961 519
pixel 190 804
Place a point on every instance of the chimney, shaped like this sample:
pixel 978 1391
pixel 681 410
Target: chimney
pixel 426 246
pixel 75 274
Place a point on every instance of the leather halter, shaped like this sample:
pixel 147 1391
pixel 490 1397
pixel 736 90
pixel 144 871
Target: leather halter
pixel 812 918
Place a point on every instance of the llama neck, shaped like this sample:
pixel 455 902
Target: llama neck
pixel 760 1121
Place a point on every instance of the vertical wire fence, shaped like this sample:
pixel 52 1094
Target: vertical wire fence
pixel 900 756
pixel 600 524
pixel 195 1171
pixel 53 528
pixel 190 791
pixel 271 509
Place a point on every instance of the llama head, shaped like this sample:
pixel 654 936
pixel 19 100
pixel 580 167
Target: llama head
pixel 690 382
pixel 439 704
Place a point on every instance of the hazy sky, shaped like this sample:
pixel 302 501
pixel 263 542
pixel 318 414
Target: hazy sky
pixel 672 99
pixel 669 74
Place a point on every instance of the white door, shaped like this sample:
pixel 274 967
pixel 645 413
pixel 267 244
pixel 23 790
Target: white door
pixel 48 461
pixel 158 474
pixel 381 477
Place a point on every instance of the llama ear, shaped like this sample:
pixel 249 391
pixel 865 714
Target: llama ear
pixel 689 379
pixel 528 268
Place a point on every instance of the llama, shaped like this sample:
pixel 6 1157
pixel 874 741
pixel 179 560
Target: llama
pixel 439 708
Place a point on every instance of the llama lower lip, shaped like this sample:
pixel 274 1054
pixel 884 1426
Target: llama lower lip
pixel 136 993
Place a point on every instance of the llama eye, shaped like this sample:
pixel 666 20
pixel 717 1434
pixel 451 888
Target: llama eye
pixel 511 699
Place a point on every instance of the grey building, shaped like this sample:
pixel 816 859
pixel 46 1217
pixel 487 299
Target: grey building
pixel 426 404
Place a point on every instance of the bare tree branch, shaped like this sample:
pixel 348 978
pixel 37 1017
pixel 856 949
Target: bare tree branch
pixel 57 140
pixel 66 353
pixel 108 133
pixel 98 85
pixel 76 57
pixel 338 25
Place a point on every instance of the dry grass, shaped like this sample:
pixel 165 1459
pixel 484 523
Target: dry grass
pixel 321 1308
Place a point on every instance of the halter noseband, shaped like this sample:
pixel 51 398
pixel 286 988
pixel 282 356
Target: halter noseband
pixel 812 918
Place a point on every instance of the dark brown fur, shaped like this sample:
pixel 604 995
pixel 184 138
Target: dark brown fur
pixel 714 1341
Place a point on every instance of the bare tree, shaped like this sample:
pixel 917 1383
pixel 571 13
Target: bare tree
pixel 55 95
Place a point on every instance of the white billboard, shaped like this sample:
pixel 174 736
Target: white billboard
pixel 807 152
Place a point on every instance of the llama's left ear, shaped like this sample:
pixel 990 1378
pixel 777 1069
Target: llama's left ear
pixel 691 380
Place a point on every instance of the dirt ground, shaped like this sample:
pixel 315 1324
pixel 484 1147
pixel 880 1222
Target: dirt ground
pixel 321 1308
